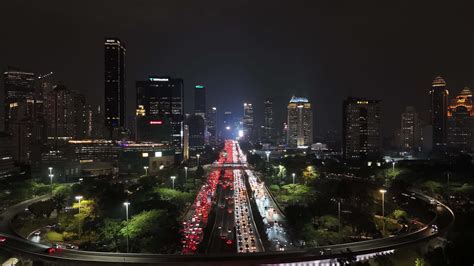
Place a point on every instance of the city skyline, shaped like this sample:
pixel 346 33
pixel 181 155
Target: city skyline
pixel 352 69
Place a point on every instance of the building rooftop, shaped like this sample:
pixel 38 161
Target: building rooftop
pixel 295 99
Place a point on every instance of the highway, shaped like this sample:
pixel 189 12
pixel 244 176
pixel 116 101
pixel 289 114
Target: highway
pixel 212 193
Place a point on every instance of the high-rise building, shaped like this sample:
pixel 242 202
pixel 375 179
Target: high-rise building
pixel 361 129
pixel 410 131
pixel 247 122
pixel 211 123
pixel 200 100
pixel 160 100
pixel 268 121
pixel 114 76
pixel 197 128
pixel 461 122
pixel 7 149
pixel 185 142
pixel 300 123
pixel 65 111
pixel 19 90
pixel 439 113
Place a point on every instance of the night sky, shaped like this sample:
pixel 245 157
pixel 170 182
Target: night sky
pixel 248 50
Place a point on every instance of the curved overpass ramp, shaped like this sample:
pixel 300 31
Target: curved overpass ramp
pixel 18 245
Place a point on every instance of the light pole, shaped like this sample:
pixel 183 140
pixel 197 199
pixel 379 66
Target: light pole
pixel 393 166
pixel 185 173
pixel 339 214
pixel 383 191
pixel 268 155
pixel 50 170
pixel 172 180
pixel 198 155
pixel 51 182
pixel 79 198
pixel 146 169
pixel 126 204
pixel 293 175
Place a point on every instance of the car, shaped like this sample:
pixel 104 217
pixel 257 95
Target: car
pixel 51 250
pixel 3 239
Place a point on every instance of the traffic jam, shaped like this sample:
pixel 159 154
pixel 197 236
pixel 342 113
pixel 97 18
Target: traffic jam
pixel 197 218
pixel 234 222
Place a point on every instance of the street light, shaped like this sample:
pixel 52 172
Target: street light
pixel 126 204
pixel 185 173
pixel 50 170
pixel 51 181
pixel 146 169
pixel 172 180
pixel 393 166
pixel 198 155
pixel 293 175
pixel 79 198
pixel 383 191
pixel 268 155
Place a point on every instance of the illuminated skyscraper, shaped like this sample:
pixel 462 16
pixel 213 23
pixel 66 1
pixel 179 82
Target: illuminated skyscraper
pixel 439 113
pixel 19 90
pixel 114 62
pixel 268 121
pixel 461 122
pixel 300 123
pixel 410 131
pixel 200 100
pixel 160 104
pixel 247 121
pixel 211 123
pixel 361 129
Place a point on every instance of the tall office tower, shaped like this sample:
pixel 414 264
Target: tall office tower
pixel 439 113
pixel 65 113
pixel 197 127
pixel 19 90
pixel 7 165
pixel 461 122
pixel 247 122
pixel 268 121
pixel 211 124
pixel 300 123
pixel 410 131
pixel 114 76
pixel 361 129
pixel 160 108
pixel 79 116
pixel 200 100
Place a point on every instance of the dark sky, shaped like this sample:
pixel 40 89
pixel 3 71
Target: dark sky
pixel 248 50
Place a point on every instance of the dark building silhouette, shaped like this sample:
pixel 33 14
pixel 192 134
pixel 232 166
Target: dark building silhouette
pixel 161 99
pixel 268 121
pixel 197 127
pixel 114 76
pixel 200 100
pixel 361 129
pixel 439 113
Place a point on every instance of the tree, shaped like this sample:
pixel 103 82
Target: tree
pixel 175 197
pixel 110 232
pixel 60 195
pixel 399 214
pixel 309 174
pixel 42 209
pixel 420 262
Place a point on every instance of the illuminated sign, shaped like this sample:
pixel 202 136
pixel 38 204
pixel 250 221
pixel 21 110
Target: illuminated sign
pixel 199 87
pixel 156 122
pixel 362 102
pixel 145 154
pixel 159 79
pixel 158 154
